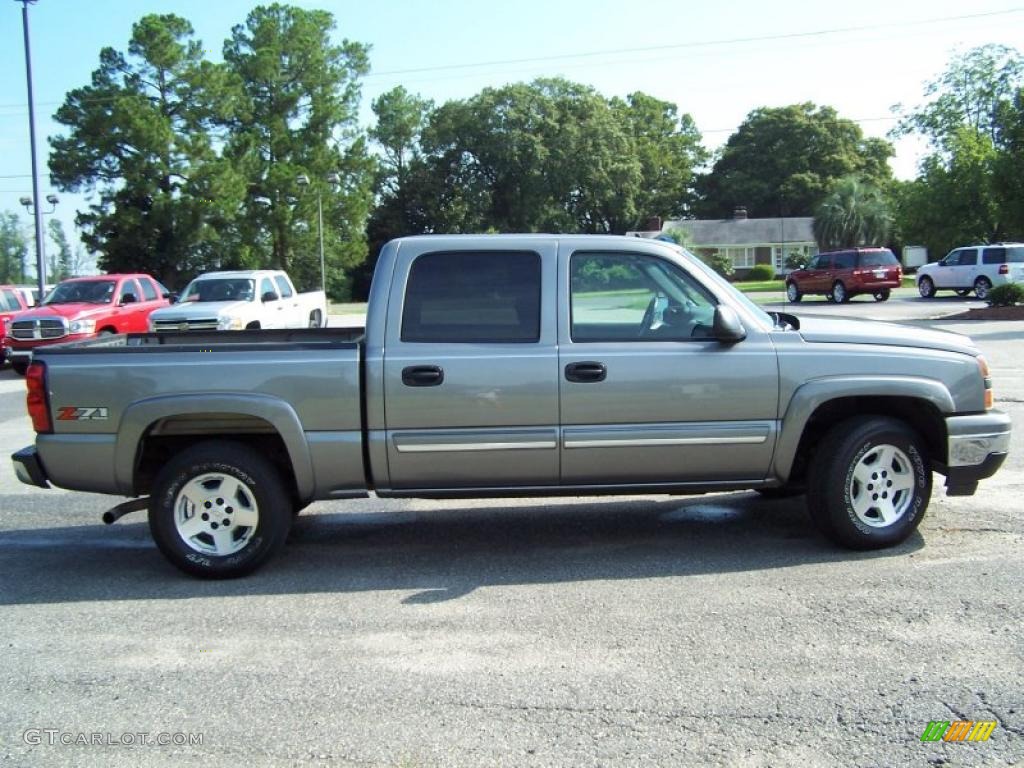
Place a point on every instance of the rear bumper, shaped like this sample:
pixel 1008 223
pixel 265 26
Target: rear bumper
pixel 871 286
pixel 977 448
pixel 28 467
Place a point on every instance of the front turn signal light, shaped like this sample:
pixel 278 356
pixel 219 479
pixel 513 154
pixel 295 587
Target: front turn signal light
pixel 986 376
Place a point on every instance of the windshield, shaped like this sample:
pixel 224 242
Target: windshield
pixel 83 292
pixel 219 289
pixel 721 282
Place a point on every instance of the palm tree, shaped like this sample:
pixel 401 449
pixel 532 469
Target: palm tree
pixel 854 213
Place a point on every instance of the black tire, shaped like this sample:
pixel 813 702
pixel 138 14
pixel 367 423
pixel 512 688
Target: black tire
pixel 793 293
pixel 253 326
pixel 926 287
pixel 981 287
pixel 19 367
pixel 961 292
pixel 314 319
pixel 882 295
pixel 838 293
pixel 259 495
pixel 858 458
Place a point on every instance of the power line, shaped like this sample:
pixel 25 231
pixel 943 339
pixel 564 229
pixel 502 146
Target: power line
pixel 697 44
pixel 619 51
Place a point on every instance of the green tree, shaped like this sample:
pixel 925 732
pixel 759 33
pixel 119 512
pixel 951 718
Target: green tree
pixel 969 189
pixel 669 149
pixel 60 256
pixel 297 115
pixel 1009 166
pixel 783 160
pixel 400 120
pixel 13 248
pixel 953 201
pixel 546 156
pixel 853 213
pixel 972 92
pixel 140 136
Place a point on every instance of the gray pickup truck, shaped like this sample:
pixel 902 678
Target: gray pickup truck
pixel 515 365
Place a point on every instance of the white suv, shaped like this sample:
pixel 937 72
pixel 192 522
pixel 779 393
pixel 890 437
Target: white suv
pixel 974 268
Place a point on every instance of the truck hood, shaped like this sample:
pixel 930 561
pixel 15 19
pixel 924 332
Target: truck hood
pixel 195 310
pixel 828 330
pixel 75 311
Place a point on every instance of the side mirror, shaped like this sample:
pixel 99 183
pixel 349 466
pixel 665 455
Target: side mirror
pixel 726 326
pixel 269 296
pixel 128 298
pixel 171 297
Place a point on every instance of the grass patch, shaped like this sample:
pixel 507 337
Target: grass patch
pixel 756 286
pixel 347 308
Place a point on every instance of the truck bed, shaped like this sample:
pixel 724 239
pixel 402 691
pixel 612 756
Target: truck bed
pixel 124 396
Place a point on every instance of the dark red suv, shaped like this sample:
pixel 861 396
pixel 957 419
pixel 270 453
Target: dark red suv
pixel 841 275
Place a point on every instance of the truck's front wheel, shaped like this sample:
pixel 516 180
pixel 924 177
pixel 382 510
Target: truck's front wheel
pixel 219 510
pixel 870 483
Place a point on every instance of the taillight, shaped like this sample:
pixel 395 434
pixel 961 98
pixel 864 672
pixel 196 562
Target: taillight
pixel 37 400
pixel 1004 269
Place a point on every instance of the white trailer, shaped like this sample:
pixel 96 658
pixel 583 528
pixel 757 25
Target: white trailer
pixel 915 256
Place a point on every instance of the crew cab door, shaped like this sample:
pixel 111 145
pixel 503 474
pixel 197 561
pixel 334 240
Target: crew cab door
pixel 957 269
pixel 130 314
pixel 274 313
pixel 471 367
pixel 289 303
pixel 647 396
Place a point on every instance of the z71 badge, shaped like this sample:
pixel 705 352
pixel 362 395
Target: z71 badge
pixel 74 413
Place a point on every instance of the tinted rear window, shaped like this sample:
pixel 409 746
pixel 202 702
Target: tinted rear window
pixel 1002 255
pixel 878 259
pixel 844 260
pixel 147 289
pixel 473 297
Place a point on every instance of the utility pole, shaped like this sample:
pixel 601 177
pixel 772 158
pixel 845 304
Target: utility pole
pixel 37 212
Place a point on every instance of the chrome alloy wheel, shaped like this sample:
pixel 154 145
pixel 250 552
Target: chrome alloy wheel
pixel 881 486
pixel 215 514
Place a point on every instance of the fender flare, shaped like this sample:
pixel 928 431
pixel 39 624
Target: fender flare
pixel 810 396
pixel 140 416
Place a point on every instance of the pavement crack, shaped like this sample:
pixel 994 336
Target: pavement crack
pixel 1004 722
pixel 959 715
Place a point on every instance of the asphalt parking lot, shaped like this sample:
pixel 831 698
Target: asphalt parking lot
pixel 716 630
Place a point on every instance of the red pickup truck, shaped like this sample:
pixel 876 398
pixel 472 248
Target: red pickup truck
pixel 11 303
pixel 81 308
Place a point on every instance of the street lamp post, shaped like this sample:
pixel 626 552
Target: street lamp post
pixel 37 215
pixel 303 181
pixel 40 263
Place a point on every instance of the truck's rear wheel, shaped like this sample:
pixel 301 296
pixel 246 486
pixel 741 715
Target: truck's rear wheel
pixel 20 367
pixel 870 484
pixel 219 510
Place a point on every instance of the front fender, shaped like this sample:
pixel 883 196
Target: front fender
pixel 139 417
pixel 810 396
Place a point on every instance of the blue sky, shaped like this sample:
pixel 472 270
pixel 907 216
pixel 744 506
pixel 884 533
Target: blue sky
pixel 715 60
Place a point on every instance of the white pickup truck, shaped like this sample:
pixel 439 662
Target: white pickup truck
pixel 240 300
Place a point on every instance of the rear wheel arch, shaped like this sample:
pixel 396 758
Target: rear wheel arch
pixel 156 429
